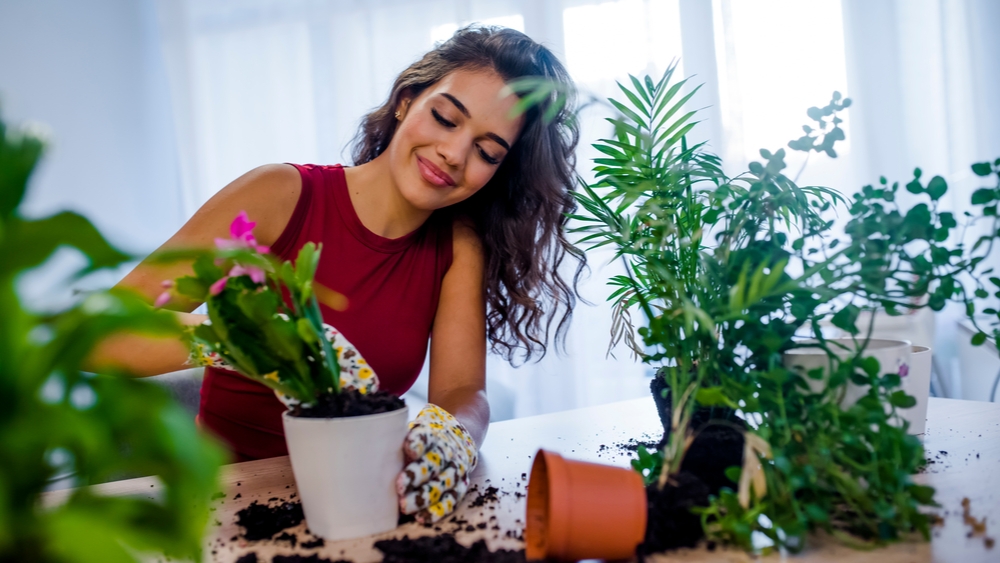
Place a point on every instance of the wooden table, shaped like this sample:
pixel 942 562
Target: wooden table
pixel 962 440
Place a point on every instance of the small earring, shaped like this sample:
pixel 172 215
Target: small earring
pixel 398 115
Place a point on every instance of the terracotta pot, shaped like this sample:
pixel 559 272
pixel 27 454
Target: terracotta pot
pixel 579 510
pixel 345 470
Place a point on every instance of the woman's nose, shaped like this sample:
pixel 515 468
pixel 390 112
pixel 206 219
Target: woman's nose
pixel 454 152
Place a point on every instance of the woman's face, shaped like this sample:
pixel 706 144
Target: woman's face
pixel 452 138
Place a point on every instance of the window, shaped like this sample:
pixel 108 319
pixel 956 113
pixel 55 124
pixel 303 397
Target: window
pixel 782 57
pixel 443 32
pixel 607 41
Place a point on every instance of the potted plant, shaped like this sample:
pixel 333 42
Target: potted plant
pixel 727 272
pixel 60 423
pixel 344 436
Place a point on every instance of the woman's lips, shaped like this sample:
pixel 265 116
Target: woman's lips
pixel 433 174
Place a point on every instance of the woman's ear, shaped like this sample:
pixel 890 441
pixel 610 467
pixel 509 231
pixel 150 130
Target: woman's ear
pixel 402 107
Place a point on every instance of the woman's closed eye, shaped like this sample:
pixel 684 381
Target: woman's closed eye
pixel 482 153
pixel 486 156
pixel 441 120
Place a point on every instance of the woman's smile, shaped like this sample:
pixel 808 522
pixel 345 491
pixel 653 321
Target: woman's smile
pixel 434 175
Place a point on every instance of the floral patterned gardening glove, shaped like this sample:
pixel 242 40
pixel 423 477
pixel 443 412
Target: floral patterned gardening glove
pixel 355 373
pixel 440 455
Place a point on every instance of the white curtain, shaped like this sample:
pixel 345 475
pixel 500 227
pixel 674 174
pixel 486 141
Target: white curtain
pixel 257 81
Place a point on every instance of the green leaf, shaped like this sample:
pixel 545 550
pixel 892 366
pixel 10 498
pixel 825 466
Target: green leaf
pixel 846 319
pixel 922 493
pixel 192 287
pixel 19 153
pixel 937 188
pixel 983 195
pixel 901 400
pixel 979 339
pixel 982 169
pixel 712 397
pixel 28 243
pixel 870 365
pixel 206 269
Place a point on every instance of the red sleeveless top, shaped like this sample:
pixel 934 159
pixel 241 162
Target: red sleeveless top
pixel 392 287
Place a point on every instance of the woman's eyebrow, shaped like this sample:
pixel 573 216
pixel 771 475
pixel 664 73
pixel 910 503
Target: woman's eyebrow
pixel 465 111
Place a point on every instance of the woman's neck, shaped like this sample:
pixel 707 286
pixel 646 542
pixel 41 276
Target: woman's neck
pixel 378 202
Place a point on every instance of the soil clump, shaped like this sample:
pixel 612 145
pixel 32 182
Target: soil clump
pixel 262 521
pixel 717 446
pixel 671 524
pixel 349 402
pixel 443 549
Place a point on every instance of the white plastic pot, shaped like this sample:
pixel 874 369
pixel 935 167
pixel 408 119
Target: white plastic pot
pixel 918 383
pixel 345 470
pixel 894 356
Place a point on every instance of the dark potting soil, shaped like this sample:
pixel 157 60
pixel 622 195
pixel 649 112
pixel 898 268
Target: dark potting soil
pixel 489 495
pixel 718 445
pixel 350 403
pixel 443 549
pixel 305 559
pixel 670 522
pixel 262 521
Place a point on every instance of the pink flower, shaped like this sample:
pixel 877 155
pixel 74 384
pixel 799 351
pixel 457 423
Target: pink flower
pixel 165 296
pixel 241 235
pixel 242 227
pixel 904 370
pixel 162 299
pixel 218 286
pixel 255 273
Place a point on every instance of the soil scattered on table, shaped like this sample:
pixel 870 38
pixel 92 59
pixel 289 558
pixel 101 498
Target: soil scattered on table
pixel 443 549
pixel 489 495
pixel 252 558
pixel 262 521
pixel 977 526
pixel 350 403
pixel 305 559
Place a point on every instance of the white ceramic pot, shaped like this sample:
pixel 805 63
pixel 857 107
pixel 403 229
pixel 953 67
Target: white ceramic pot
pixel 892 356
pixel 345 470
pixel 918 383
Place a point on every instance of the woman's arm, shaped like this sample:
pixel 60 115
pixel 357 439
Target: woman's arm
pixel 458 341
pixel 268 194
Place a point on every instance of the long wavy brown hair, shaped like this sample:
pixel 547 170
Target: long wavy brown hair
pixel 521 214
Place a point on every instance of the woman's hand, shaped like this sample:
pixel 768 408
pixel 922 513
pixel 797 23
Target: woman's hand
pixel 355 373
pixel 440 455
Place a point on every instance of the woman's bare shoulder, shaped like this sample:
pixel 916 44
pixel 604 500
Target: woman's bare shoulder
pixel 466 243
pixel 267 193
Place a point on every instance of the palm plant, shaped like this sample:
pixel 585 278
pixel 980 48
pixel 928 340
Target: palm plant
pixel 727 270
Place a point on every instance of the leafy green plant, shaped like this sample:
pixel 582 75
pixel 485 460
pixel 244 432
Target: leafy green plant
pixel 727 270
pixel 57 420
pixel 277 342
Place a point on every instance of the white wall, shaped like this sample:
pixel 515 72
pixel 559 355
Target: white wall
pixel 93 73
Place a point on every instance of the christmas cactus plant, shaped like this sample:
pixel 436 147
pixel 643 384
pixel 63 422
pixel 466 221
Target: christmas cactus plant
pixel 276 341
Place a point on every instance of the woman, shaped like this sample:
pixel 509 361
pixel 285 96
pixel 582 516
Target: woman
pixel 448 227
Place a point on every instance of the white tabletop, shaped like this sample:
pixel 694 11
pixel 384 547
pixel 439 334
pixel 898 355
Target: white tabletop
pixel 968 431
